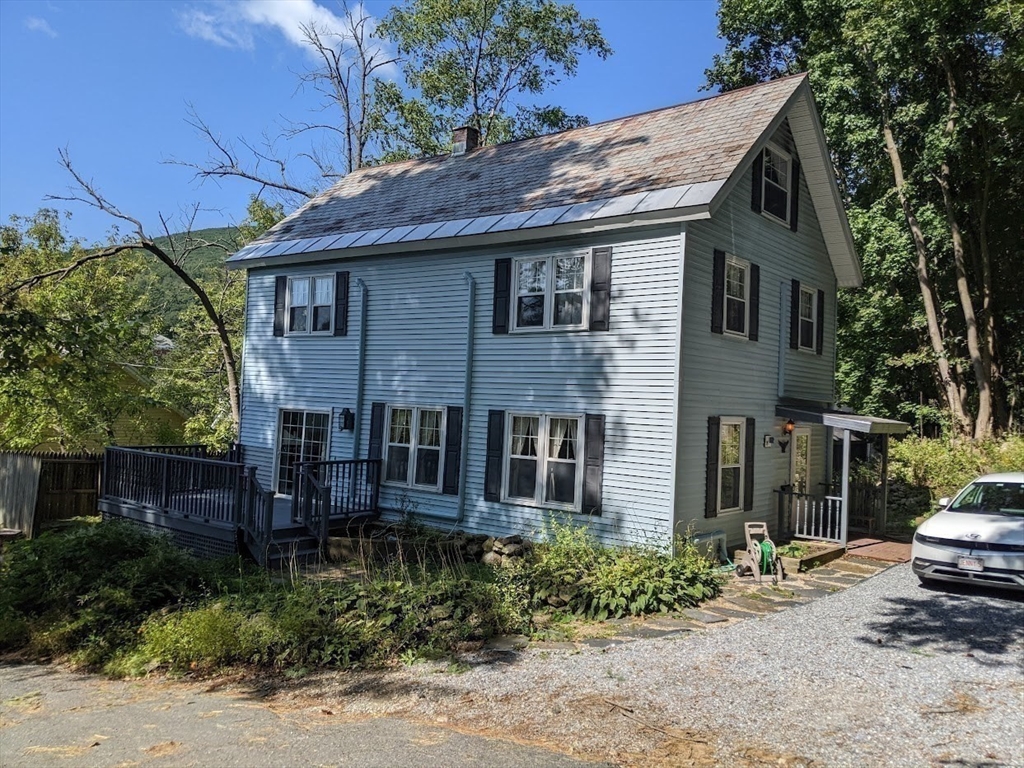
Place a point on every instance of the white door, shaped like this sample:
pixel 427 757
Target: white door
pixel 800 460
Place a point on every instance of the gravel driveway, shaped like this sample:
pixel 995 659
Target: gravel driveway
pixel 886 673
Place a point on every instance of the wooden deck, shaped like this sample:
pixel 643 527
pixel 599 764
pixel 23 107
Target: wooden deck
pixel 184 490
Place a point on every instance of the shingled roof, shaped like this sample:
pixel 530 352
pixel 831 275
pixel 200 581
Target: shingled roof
pixel 669 159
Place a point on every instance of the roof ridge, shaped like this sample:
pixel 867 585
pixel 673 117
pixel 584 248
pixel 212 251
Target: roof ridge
pixel 710 97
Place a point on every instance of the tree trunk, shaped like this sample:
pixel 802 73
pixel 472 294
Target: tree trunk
pixel 226 349
pixel 950 388
pixel 982 371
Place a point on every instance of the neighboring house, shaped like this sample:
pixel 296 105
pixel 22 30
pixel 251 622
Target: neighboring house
pixel 616 321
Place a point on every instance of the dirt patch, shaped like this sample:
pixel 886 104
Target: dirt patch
pixel 163 749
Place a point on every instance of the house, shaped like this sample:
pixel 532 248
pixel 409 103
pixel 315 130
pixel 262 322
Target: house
pixel 627 322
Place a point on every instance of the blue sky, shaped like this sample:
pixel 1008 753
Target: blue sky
pixel 112 81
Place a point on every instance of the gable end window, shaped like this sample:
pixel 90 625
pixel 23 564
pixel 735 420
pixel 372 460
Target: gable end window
pixel 808 318
pixel 414 445
pixel 775 180
pixel 734 297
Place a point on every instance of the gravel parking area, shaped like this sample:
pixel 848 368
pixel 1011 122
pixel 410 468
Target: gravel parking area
pixel 886 673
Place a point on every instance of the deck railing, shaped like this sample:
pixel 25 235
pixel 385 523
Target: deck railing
pixel 806 516
pixel 354 485
pixel 257 515
pixel 314 507
pixel 203 489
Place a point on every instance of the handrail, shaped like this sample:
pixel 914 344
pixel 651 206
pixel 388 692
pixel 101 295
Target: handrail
pixel 198 459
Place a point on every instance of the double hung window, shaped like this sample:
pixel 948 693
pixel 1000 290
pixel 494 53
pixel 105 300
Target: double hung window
pixel 775 180
pixel 808 318
pixel 302 437
pixel 543 465
pixel 415 437
pixel 550 293
pixel 730 465
pixel 737 296
pixel 311 304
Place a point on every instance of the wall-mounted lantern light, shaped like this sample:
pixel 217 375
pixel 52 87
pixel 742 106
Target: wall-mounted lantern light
pixel 787 431
pixel 347 419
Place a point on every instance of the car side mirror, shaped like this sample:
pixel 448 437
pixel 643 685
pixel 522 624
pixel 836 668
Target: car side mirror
pixel 944 502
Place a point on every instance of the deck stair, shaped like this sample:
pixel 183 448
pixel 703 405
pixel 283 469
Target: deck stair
pixel 292 545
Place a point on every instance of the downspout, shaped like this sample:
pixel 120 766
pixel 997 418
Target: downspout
pixel 360 367
pixel 466 395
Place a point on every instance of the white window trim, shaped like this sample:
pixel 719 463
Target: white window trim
pixel 789 183
pixel 814 319
pixel 549 295
pixel 745 265
pixel 277 442
pixel 414 437
pixel 742 423
pixel 309 305
pixel 542 460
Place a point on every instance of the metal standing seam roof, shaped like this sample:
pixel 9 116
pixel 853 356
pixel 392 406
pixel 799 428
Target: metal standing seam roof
pixel 670 159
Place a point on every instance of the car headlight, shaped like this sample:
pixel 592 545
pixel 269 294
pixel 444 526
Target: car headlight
pixel 920 537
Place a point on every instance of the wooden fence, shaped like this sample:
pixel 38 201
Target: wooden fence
pixel 37 489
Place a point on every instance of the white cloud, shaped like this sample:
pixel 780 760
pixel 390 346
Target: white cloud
pixel 233 24
pixel 37 24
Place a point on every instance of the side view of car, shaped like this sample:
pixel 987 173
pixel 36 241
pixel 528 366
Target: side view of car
pixel 977 537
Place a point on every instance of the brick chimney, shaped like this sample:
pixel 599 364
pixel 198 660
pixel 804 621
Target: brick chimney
pixel 464 139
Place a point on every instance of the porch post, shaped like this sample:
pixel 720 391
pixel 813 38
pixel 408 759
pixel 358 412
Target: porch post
pixel 846 485
pixel 883 516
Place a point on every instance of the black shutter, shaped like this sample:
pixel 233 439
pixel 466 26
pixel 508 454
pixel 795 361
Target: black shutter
pixel 341 304
pixel 714 434
pixel 819 325
pixel 377 411
pixel 717 291
pixel 794 315
pixel 755 190
pixel 502 294
pixel 748 466
pixel 755 301
pixel 452 451
pixel 593 464
pixel 794 194
pixel 600 288
pixel 280 296
pixel 495 451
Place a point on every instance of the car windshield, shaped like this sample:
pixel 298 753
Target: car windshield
pixel 991 498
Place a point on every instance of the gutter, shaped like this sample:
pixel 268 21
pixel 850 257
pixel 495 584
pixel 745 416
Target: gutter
pixel 360 366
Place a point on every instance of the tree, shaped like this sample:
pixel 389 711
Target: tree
pixel 922 108
pixel 463 61
pixel 70 348
pixel 467 61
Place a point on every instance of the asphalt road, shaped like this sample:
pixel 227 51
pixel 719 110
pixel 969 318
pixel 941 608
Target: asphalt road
pixel 49 717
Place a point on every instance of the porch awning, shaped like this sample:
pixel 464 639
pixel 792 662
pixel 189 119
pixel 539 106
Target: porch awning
pixel 867 425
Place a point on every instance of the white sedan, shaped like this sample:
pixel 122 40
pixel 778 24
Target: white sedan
pixel 978 537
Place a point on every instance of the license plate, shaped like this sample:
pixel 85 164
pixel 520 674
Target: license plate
pixel 970 564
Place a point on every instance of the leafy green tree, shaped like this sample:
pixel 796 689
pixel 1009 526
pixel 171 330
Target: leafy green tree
pixel 74 348
pixel 922 105
pixel 467 62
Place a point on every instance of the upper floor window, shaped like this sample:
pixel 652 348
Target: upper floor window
pixel 543 464
pixel 550 292
pixel 776 182
pixel 415 437
pixel 310 304
pixel 808 318
pixel 737 294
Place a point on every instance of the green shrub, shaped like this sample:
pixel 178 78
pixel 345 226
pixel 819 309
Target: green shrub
pixel 572 571
pixel 945 466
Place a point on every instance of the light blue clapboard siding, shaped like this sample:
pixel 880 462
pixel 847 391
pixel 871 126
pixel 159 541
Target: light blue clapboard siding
pixel 416 336
pixel 727 376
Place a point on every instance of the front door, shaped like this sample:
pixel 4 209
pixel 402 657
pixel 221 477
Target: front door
pixel 800 460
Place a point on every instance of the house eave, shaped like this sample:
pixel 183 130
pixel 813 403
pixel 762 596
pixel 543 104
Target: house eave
pixel 382 243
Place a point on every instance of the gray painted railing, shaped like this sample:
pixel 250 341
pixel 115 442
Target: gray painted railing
pixel 257 516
